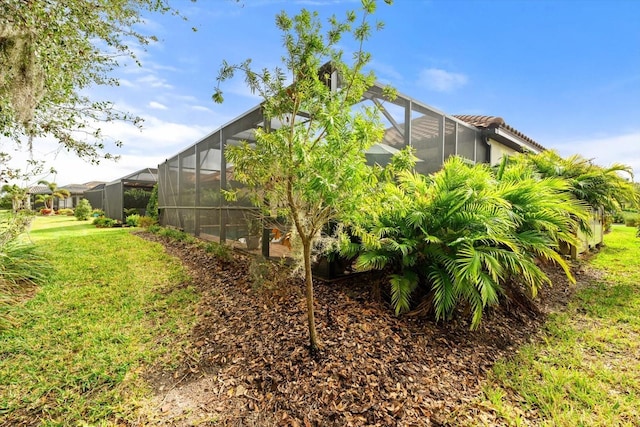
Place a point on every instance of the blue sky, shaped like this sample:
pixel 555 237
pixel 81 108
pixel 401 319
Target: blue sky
pixel 565 73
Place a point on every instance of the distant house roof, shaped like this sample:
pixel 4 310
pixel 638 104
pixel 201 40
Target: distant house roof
pixel 143 178
pixel 98 187
pixel 39 189
pixel 497 124
pixel 76 188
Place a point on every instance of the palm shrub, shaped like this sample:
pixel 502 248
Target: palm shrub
pixel 544 211
pixel 455 236
pixel 597 186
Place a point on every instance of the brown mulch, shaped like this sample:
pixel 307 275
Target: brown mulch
pixel 248 361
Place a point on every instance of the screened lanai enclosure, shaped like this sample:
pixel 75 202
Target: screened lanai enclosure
pixel 191 184
pixel 128 194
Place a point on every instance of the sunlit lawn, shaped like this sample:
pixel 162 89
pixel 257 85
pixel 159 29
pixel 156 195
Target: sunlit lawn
pixel 112 306
pixel 586 370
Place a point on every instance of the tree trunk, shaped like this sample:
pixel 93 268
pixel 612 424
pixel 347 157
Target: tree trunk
pixel 313 336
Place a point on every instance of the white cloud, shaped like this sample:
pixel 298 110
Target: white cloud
pixel 157 106
pixel 155 135
pixel 125 83
pixel 386 72
pixel 605 151
pixel 201 108
pixel 154 82
pixel 157 141
pixel 440 80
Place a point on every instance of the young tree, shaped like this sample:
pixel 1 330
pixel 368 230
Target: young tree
pixel 50 52
pixel 308 162
pixel 56 193
pixel 17 194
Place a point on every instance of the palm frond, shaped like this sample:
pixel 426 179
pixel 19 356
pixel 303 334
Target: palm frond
pixel 402 286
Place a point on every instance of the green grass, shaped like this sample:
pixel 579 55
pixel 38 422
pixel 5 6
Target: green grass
pixel 586 370
pixel 115 304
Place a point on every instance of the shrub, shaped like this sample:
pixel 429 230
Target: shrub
pixel 104 222
pixel 175 234
pixel 97 212
pixel 131 211
pixel 21 264
pixel 152 204
pixel 83 210
pixel 617 217
pixel 460 235
pixel 65 211
pixel 219 250
pixel 154 228
pixel 46 211
pixel 146 221
pixel 632 222
pixel 133 220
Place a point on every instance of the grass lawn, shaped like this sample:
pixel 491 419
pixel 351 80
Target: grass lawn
pixel 586 369
pixel 117 304
pixel 114 304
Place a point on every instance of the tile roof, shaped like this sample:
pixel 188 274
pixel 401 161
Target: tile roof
pixel 495 122
pixel 39 189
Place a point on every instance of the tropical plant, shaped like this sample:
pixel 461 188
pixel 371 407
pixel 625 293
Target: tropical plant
pixel 545 212
pixel 311 167
pixel 600 187
pixel 460 235
pixel 133 220
pixel 18 196
pixel 55 193
pixel 83 210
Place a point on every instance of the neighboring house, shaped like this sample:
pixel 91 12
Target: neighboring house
pixel 77 193
pixel 33 193
pixel 115 197
pixel 95 196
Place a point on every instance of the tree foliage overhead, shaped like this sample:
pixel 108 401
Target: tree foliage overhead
pixel 50 52
pixel 308 163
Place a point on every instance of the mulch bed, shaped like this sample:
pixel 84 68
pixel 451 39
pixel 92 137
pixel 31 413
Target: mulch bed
pixel 248 362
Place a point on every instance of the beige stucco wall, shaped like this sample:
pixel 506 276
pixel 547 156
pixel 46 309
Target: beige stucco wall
pixel 498 150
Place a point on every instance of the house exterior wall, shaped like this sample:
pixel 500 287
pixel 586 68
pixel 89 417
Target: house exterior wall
pixel 498 151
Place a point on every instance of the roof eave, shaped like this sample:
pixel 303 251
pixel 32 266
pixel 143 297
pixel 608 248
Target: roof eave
pixel 512 140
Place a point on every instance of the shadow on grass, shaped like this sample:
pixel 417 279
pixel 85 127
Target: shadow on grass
pixel 63 230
